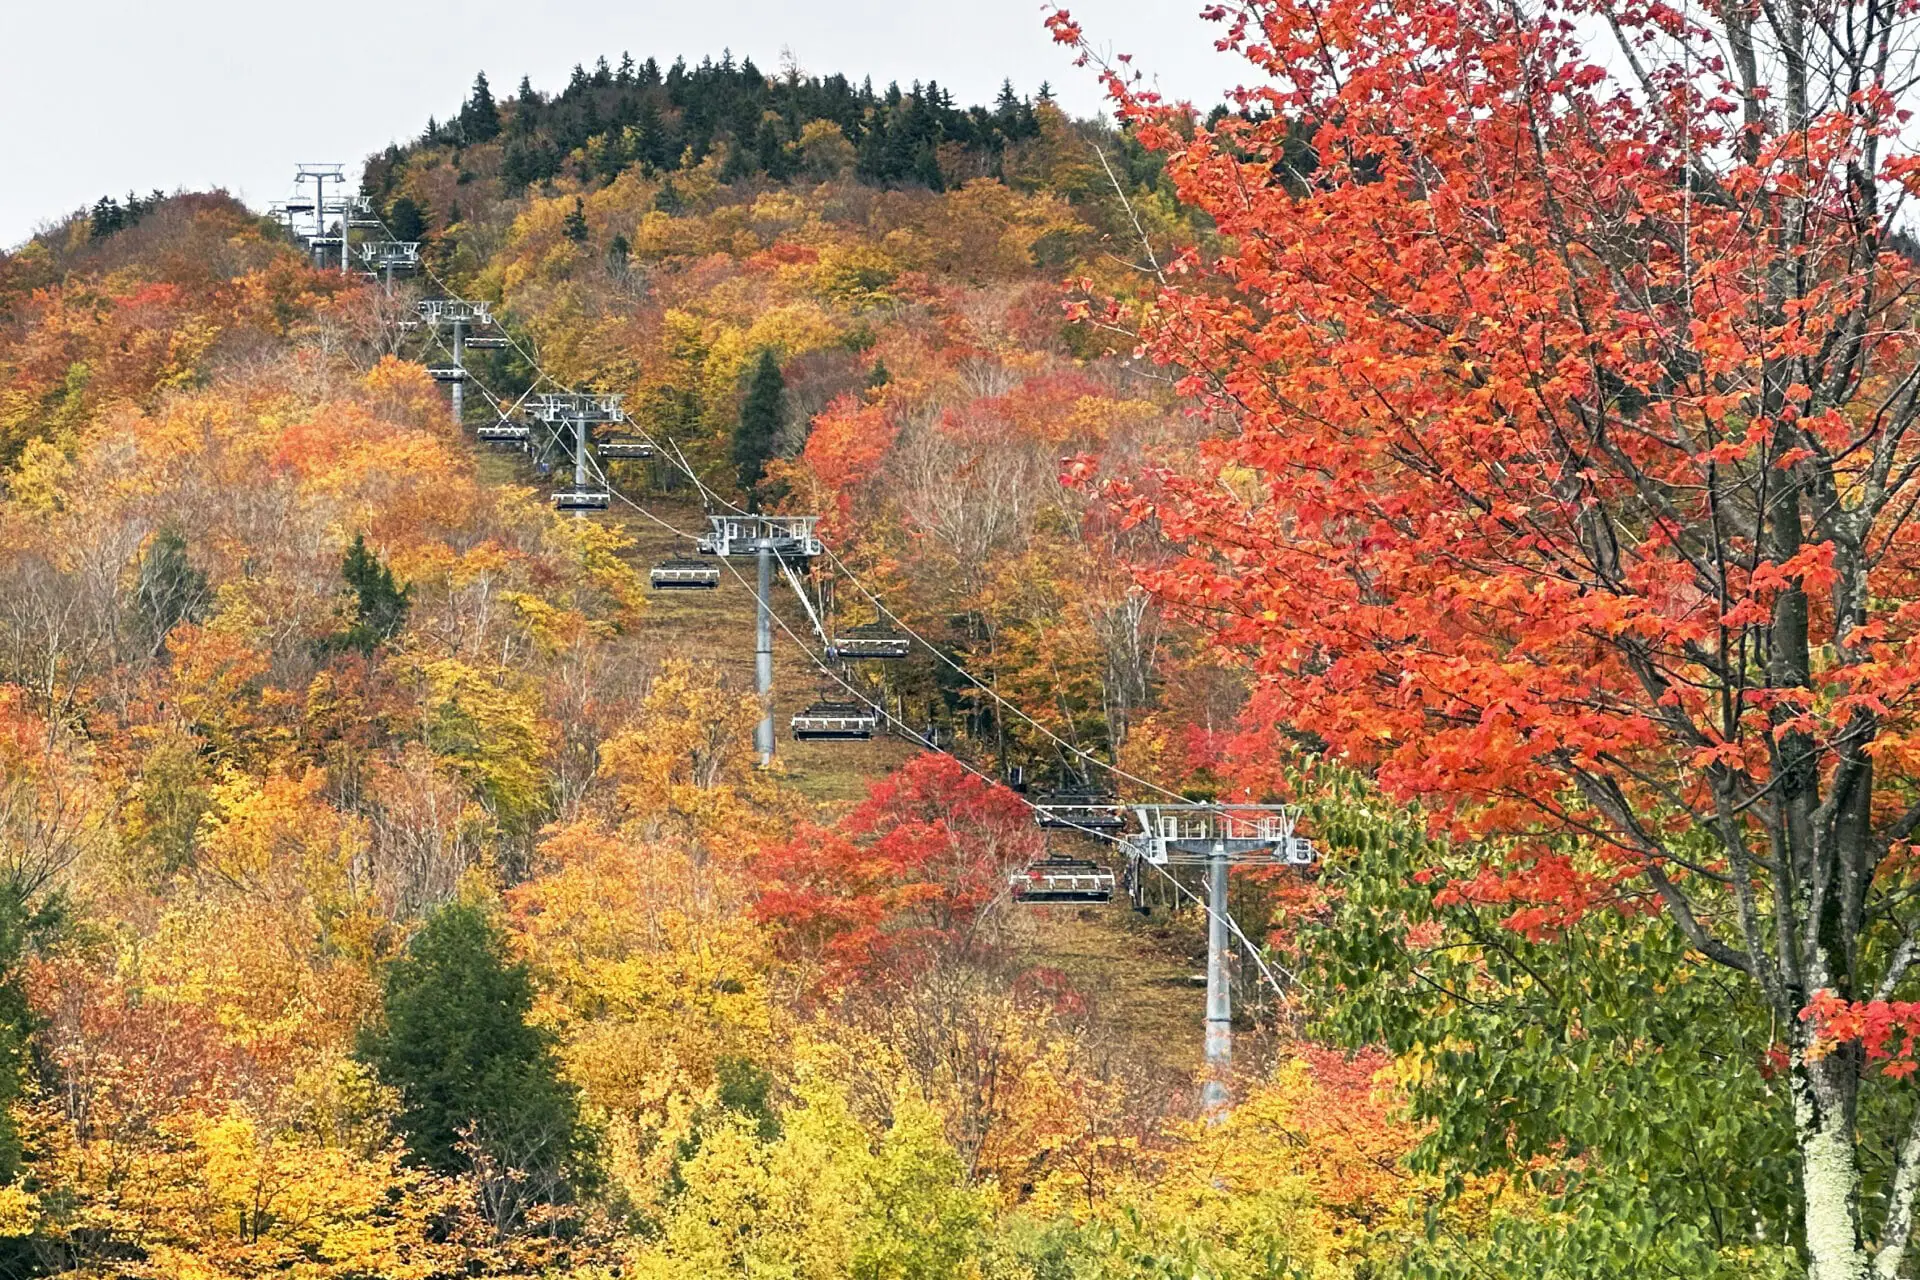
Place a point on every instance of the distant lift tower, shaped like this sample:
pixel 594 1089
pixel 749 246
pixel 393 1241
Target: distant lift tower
pixel 382 258
pixel 790 542
pixel 460 319
pixel 343 213
pixel 570 418
pixel 320 175
pixel 1217 836
pixel 356 211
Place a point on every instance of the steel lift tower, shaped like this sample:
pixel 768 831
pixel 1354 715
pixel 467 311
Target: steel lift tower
pixel 1217 836
pixel 381 258
pixel 784 540
pixel 356 211
pixel 570 418
pixel 320 175
pixel 345 208
pixel 460 319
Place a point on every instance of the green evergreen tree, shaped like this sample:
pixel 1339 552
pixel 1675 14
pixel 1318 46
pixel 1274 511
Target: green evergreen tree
pixel 926 168
pixel 575 227
pixel 405 220
pixel 650 144
pixel 106 218
pixel 380 606
pixel 24 927
pixel 526 104
pixel 614 154
pixel 476 1080
pixel 762 414
pixel 171 590
pixel 479 117
pixel 740 163
pixel 519 164
pixel 668 200
pixel 878 376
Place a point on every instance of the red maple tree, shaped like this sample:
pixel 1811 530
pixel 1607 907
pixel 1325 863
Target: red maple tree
pixel 1575 394
pixel 903 876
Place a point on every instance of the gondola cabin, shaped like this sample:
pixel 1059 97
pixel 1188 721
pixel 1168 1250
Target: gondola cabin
pixel 834 721
pixel 446 373
pixel 580 500
pixel 621 448
pixel 1061 880
pixel 485 342
pixel 504 432
pixel 1079 811
pixel 870 642
pixel 680 574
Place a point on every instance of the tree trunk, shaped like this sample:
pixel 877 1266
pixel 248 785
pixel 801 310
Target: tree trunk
pixel 1829 1173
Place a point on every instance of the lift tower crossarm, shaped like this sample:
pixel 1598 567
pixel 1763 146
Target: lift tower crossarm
pixel 789 537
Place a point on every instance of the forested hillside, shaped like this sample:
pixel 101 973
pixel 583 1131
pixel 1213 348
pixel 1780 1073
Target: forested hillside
pixel 1509 472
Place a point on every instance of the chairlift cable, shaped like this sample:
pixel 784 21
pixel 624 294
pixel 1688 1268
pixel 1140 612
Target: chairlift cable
pixel 941 654
pixel 1233 925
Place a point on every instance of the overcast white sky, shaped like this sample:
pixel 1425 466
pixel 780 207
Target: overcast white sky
pixel 136 94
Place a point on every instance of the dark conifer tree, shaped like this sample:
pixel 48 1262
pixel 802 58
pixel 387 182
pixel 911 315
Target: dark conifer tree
pixel 380 605
pixel 480 118
pixel 1006 107
pixel 762 416
pixel 405 220
pixel 575 227
pixel 613 155
pixel 926 168
pixel 520 165
pixel 23 927
pixel 650 144
pixel 106 218
pixel 171 590
pixel 470 1070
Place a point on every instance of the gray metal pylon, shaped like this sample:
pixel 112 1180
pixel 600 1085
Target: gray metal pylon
pixel 1219 1051
pixel 319 219
pixel 579 460
pixel 459 383
pixel 763 655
